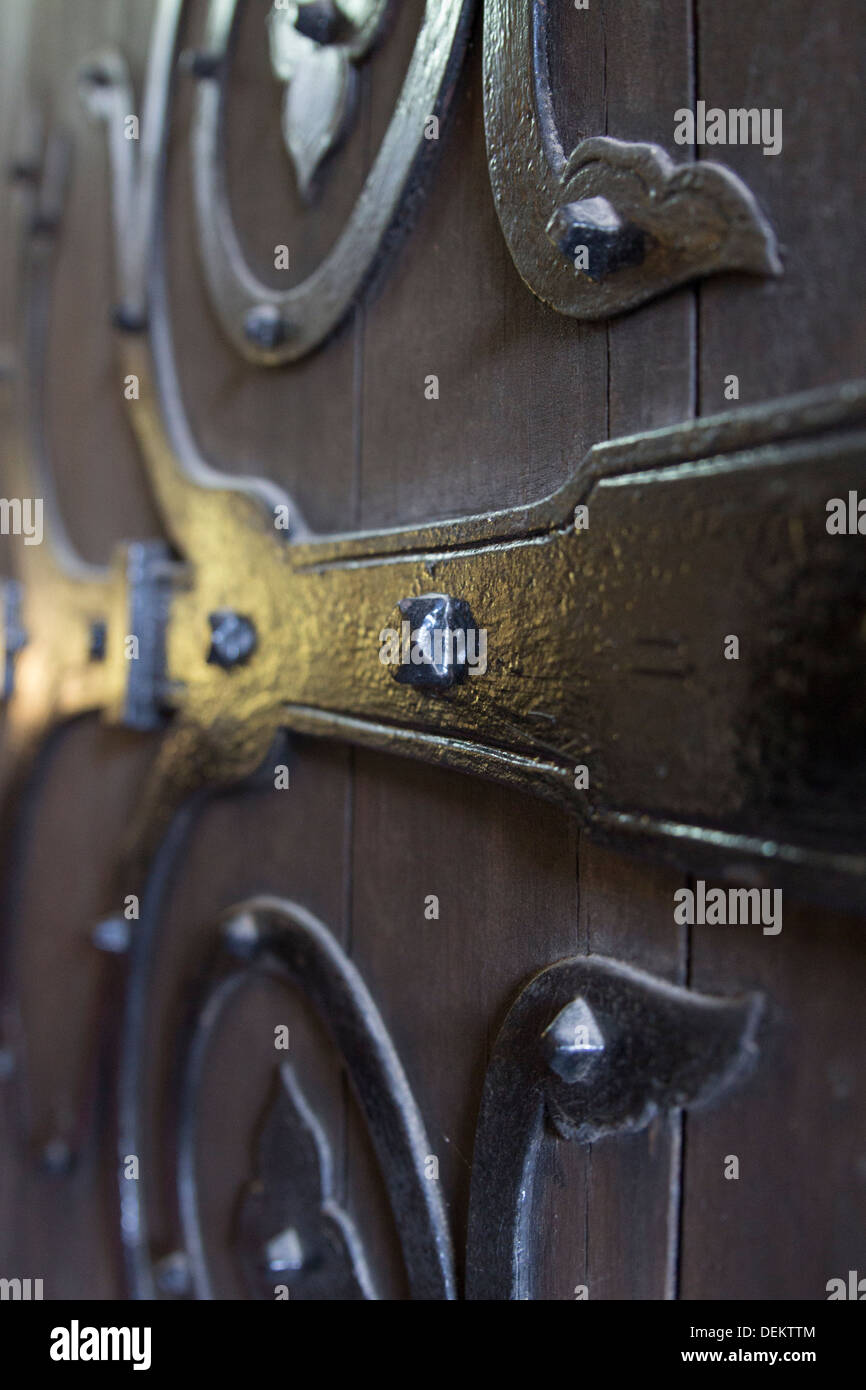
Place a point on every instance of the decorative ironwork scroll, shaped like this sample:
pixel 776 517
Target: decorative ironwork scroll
pixel 291 1231
pixel 271 326
pixel 644 223
pixel 599 603
pixel 591 1047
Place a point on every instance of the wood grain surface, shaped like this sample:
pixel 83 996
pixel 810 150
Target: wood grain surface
pixel 362 839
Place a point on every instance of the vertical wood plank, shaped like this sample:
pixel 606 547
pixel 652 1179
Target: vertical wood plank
pixel 521 396
pixel 89 775
pixel 14 41
pixel 627 906
pixel 793 1219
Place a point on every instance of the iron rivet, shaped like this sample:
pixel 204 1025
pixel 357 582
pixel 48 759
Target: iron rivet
pixel 43 224
pixel 285 1252
pixel 127 320
pixel 23 171
pixel 437 619
pixel 318 20
pixel 264 327
pixel 199 64
pixel 112 934
pixel 57 1158
pixel 573 1041
pixel 172 1274
pixel 233 638
pixel 611 243
pixel 96 76
pixel 241 935
pixel 98 633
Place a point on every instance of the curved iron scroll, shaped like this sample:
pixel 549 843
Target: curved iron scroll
pixel 644 223
pixel 268 935
pixel 592 1047
pixel 272 326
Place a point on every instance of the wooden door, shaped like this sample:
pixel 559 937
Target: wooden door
pixel 263 919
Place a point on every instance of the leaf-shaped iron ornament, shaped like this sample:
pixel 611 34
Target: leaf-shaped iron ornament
pixel 590 1048
pixel 314 46
pixel 291 1230
pixel 615 223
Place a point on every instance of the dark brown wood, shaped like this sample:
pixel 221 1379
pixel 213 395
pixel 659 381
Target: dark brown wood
pixel 626 908
pixel 365 840
pixel 504 363
pixel 800 331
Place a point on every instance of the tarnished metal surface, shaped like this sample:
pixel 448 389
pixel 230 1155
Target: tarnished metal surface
pixel 606 681
pixel 285 941
pixel 676 222
pixel 593 1048
pixel 586 625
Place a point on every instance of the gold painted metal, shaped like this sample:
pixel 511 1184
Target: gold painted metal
pixel 605 645
pixel 66 655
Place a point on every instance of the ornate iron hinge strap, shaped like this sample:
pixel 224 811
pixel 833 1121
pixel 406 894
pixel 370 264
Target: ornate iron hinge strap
pixel 599 602
pixel 614 654
pixel 590 1048
pixel 596 603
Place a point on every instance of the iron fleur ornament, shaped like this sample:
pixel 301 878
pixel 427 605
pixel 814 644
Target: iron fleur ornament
pixel 291 1229
pixel 314 49
pixel 315 46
